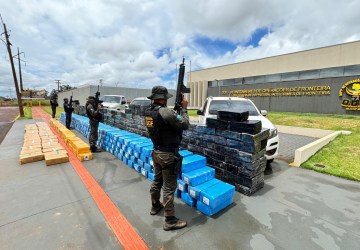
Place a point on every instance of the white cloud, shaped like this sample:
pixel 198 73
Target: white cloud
pixel 140 42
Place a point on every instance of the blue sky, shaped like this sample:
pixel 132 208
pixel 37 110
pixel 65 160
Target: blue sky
pixel 143 42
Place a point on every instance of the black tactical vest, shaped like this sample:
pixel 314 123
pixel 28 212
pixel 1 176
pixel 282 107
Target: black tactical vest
pixel 87 111
pixel 98 117
pixel 161 134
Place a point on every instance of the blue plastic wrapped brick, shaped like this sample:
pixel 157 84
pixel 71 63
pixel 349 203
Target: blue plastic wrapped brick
pixel 198 176
pixel 148 168
pixel 182 186
pixel 121 139
pixel 140 163
pixel 195 191
pixel 177 193
pixel 185 197
pixel 210 211
pixel 147 150
pixel 218 195
pixel 185 153
pixel 138 147
pixel 127 141
pixel 130 163
pixel 140 141
pixel 144 172
pixel 151 176
pixel 193 162
pixel 137 168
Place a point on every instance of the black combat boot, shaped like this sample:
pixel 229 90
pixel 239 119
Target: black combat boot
pixel 156 207
pixel 94 149
pixel 173 223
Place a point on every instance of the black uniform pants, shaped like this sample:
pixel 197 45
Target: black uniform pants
pixel 94 125
pixel 53 109
pixel 68 119
pixel 164 178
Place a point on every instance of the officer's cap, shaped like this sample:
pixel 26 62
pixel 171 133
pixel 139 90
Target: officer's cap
pixel 159 92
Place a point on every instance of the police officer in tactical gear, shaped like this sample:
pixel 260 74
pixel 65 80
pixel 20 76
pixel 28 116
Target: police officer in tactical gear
pixel 68 111
pixel 54 103
pixel 93 112
pixel 165 128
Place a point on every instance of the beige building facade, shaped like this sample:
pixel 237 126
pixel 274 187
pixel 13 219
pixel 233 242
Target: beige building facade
pixel 340 61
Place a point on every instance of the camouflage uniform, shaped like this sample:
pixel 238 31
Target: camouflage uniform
pixel 94 118
pixel 54 104
pixel 165 128
pixel 68 111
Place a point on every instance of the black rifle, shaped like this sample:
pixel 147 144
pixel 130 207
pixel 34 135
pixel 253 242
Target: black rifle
pixel 71 102
pixel 97 102
pixel 181 88
pixel 97 98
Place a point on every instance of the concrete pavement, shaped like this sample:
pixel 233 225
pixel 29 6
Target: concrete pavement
pixel 49 208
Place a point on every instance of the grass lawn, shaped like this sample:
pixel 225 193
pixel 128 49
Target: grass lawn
pixel 342 155
pixel 59 110
pixel 27 114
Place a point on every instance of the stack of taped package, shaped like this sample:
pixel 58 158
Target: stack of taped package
pixel 80 148
pixel 196 185
pixel 41 144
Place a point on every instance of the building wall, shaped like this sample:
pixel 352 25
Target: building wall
pixel 327 57
pixel 321 58
pixel 295 96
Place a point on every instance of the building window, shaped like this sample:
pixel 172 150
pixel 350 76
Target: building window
pixel 332 72
pixel 309 74
pixel 273 78
pixel 292 76
pixel 352 70
pixel 259 79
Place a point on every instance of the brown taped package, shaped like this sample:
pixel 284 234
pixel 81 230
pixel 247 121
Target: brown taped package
pixel 31 157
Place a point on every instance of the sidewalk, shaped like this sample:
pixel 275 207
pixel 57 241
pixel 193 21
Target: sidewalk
pixel 310 132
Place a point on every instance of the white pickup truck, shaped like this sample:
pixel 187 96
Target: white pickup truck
pixel 236 104
pixel 114 102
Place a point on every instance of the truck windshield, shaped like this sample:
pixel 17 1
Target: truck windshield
pixel 141 102
pixel 111 99
pixel 232 105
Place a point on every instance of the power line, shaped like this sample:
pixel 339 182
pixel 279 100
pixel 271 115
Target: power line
pixel 58 84
pixel 8 44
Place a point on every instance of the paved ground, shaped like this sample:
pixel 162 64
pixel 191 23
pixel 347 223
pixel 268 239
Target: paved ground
pixel 49 208
pixel 289 143
pixel 7 116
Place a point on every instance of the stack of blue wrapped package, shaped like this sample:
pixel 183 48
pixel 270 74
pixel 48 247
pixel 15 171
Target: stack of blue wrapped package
pixel 196 185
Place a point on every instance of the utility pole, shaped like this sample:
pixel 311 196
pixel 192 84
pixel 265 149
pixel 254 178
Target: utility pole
pixel 18 57
pixel 100 81
pixel 58 83
pixel 8 44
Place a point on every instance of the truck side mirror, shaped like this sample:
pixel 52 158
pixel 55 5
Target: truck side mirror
pixel 264 112
pixel 123 102
pixel 199 112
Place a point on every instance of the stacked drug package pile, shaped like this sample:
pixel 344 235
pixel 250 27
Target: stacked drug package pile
pixel 40 143
pixel 234 147
pixel 54 153
pixel 75 144
pixel 209 195
pixel 31 150
pixel 198 187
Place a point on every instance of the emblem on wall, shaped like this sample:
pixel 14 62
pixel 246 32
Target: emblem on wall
pixel 351 89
